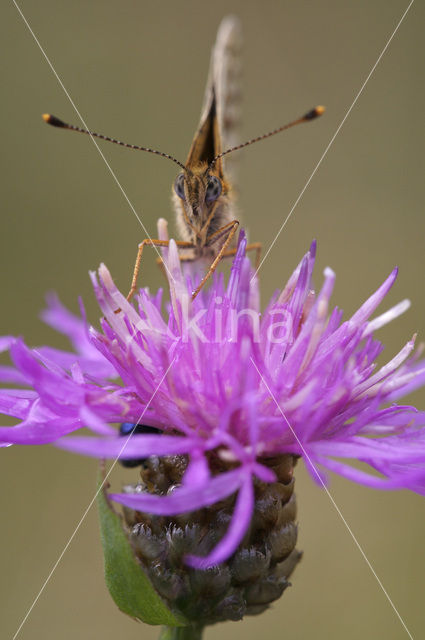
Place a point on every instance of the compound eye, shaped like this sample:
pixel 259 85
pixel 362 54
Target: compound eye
pixel 213 189
pixel 179 186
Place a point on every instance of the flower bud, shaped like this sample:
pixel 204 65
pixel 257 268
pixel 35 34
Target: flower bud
pixel 252 578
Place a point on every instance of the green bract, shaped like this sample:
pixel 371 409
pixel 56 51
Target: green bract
pixel 128 585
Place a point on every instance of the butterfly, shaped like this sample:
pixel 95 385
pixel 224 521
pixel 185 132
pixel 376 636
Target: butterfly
pixel 202 191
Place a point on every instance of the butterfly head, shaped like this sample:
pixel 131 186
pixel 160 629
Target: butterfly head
pixel 199 191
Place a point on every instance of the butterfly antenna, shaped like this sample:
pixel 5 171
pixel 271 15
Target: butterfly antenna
pixel 310 115
pixel 56 122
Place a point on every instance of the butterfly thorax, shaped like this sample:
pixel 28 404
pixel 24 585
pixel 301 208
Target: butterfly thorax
pixel 202 203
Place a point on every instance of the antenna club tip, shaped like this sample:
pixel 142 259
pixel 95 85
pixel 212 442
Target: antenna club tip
pixel 314 113
pixel 53 120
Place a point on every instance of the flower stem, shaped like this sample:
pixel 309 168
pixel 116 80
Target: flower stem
pixel 192 632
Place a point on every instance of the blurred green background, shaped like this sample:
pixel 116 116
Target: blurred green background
pixel 136 70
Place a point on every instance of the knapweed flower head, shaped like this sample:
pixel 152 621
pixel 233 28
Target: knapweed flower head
pixel 226 388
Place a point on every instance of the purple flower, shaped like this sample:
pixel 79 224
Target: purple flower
pixel 216 375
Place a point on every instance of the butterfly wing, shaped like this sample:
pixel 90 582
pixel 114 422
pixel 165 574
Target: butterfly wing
pixel 220 116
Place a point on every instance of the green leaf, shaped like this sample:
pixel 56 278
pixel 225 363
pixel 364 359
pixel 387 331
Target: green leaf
pixel 126 580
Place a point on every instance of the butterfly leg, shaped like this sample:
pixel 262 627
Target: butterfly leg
pixel 152 243
pixel 229 229
pixel 252 246
pixel 257 247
